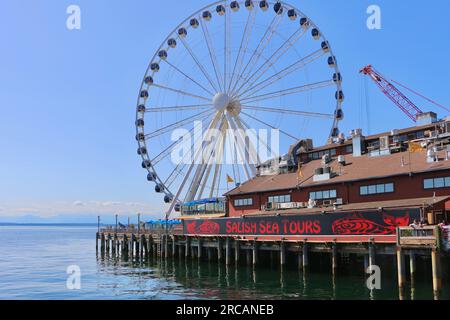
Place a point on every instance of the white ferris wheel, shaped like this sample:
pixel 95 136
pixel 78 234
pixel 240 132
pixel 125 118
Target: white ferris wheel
pixel 233 65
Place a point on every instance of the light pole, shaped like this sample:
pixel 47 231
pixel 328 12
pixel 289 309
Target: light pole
pixel 98 223
pixel 116 221
pixel 139 223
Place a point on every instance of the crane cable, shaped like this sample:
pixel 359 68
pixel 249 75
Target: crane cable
pixel 422 96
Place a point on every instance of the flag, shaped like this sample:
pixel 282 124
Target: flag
pixel 414 147
pixel 229 179
pixel 300 171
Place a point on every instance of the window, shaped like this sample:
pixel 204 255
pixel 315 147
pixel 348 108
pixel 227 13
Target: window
pixel 319 155
pixel 349 148
pixel 321 195
pixel 436 183
pixel 243 202
pixel 280 199
pixel 376 189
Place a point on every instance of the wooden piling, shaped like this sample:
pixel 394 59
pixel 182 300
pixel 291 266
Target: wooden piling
pixel 282 253
pixel 174 246
pixel 412 265
pixel 334 258
pixel 102 243
pixel 166 246
pixel 187 249
pixel 219 249
pixel 436 270
pixel 199 248
pixel 371 255
pixel 255 253
pixel 236 251
pixel 227 251
pixel 305 255
pixel 400 268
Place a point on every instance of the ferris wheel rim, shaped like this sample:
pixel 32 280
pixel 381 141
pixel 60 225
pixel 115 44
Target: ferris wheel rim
pixel 143 144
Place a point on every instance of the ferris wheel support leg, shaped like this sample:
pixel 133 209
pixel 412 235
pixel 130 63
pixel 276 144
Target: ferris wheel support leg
pixel 192 190
pixel 239 146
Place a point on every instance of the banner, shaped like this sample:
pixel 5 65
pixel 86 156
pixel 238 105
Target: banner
pixel 335 223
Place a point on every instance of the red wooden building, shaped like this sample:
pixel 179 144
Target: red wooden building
pixel 359 185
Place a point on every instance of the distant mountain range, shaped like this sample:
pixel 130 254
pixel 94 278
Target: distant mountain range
pixel 69 219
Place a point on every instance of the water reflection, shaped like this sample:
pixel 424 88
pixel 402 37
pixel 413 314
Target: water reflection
pixel 208 279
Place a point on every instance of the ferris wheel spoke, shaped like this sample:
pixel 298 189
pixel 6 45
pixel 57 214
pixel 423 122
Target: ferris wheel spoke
pixel 282 74
pixel 245 152
pixel 261 141
pixel 212 53
pixel 177 124
pixel 288 44
pixel 270 126
pixel 180 92
pixel 291 91
pixel 287 111
pixel 178 108
pixel 167 151
pixel 188 77
pixel 243 46
pixel 218 165
pixel 227 51
pixel 237 145
pixel 163 154
pixel 197 62
pixel 181 165
pixel 252 148
pixel 257 53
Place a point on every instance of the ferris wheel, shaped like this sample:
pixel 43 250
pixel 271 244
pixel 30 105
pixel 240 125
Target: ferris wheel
pixel 233 65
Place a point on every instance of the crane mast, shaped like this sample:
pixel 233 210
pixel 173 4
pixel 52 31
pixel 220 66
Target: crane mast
pixel 395 95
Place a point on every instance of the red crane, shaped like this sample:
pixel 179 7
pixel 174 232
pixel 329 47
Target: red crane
pixel 400 100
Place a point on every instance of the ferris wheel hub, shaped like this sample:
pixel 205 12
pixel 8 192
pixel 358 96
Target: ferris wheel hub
pixel 221 101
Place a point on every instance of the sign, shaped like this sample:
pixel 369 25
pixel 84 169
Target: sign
pixel 335 223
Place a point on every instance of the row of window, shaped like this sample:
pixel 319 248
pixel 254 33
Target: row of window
pixel 280 199
pixel 376 189
pixel 436 183
pixel 243 202
pixel 323 195
pixel 319 155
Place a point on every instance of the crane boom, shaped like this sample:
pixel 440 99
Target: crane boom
pixel 395 95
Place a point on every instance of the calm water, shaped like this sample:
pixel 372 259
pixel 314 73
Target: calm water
pixel 33 263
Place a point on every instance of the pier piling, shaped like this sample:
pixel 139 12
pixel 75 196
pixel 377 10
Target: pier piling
pixel 400 268
pixel 334 258
pixel 236 251
pixel 436 270
pixel 227 251
pixel 305 256
pixel 282 253
pixel 255 253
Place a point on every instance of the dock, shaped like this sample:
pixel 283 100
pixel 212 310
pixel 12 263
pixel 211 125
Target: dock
pixel 408 245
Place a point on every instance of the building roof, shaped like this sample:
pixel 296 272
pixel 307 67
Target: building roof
pixel 356 169
pixel 392 204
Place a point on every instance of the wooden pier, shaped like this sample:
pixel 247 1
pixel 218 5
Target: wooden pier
pixel 411 243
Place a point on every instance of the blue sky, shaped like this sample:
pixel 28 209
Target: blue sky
pixel 67 98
